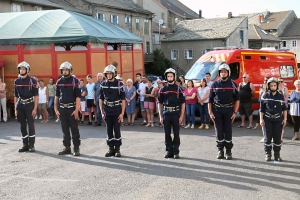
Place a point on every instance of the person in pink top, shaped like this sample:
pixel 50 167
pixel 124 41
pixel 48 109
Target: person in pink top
pixel 191 101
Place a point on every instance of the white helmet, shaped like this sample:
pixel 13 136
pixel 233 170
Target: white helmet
pixel 66 65
pixel 110 69
pixel 226 67
pixel 170 70
pixel 272 80
pixel 24 64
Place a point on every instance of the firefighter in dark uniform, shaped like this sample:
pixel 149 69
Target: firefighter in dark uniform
pixel 112 106
pixel 273 116
pixel 223 105
pixel 171 112
pixel 67 104
pixel 26 101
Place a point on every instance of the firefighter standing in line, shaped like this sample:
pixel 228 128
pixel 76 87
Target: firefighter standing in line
pixel 67 104
pixel 222 107
pixel 273 116
pixel 26 101
pixel 172 104
pixel 112 106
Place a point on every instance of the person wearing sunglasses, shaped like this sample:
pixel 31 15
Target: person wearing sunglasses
pixel 247 90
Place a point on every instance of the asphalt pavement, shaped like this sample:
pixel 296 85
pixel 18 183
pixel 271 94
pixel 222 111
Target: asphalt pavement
pixel 142 172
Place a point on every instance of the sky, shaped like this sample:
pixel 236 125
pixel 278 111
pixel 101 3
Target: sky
pixel 220 8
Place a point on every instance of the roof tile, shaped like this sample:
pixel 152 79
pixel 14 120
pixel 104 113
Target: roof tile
pixel 40 2
pixel 199 29
pixel 293 30
pixel 121 4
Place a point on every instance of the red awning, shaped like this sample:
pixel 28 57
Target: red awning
pixel 1 63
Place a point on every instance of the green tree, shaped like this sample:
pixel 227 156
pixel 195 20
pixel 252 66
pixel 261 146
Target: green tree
pixel 160 63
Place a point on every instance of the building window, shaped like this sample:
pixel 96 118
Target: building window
pixel 126 46
pixel 16 8
pixel 38 8
pixel 242 36
pixel 188 54
pixel 147 47
pixel 294 43
pixel 174 54
pixel 127 23
pixel 114 19
pixel 146 27
pixel 100 16
pixel 284 43
pixel 137 24
pixel 204 51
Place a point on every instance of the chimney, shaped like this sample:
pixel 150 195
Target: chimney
pixel 229 15
pixel 259 18
pixel 262 18
pixel 200 14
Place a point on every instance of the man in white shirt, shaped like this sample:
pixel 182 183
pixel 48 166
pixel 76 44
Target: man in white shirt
pixel 141 90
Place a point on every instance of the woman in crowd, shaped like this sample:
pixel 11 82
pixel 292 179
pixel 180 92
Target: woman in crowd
pixel 295 109
pixel 182 79
pixel 191 101
pixel 262 89
pixel 284 90
pixel 130 93
pixel 3 99
pixel 179 83
pixel 202 94
pixel 149 103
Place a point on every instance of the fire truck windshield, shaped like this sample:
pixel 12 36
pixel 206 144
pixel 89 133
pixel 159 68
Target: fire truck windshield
pixel 199 69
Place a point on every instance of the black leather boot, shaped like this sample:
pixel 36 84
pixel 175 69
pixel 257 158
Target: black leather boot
pixel 268 156
pixel 277 156
pixel 220 154
pixel 76 151
pixel 169 155
pixel 24 148
pixel 228 154
pixel 117 152
pixel 111 152
pixel 66 150
pixel 31 148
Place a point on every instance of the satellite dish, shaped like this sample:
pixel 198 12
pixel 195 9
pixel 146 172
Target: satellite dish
pixel 160 22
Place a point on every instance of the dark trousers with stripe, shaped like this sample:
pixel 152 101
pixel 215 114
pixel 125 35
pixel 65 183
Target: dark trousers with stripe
pixel 25 118
pixel 172 122
pixel 68 122
pixel 273 131
pixel 223 129
pixel 113 131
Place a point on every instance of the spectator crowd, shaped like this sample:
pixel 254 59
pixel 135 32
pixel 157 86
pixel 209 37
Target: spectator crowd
pixel 141 96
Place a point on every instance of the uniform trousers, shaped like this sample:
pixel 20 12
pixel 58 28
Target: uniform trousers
pixel 172 121
pixel 273 130
pixel 113 131
pixel 223 129
pixel 68 122
pixel 25 118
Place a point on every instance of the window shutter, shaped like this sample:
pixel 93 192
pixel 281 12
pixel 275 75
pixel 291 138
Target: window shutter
pixel 117 20
pixel 103 15
pixel 193 52
pixel 185 54
pixel 111 19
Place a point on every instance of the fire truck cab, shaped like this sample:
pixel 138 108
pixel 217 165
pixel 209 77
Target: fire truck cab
pixel 257 63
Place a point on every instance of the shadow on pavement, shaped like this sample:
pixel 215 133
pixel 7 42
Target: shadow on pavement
pixel 230 178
